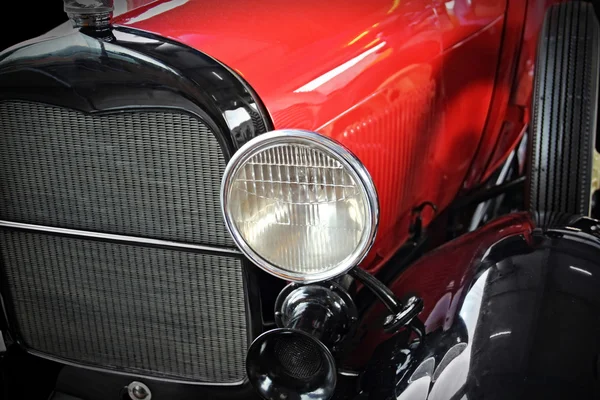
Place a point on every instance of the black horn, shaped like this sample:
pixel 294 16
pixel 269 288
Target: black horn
pixel 294 362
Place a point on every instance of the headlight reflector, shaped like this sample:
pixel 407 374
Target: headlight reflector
pixel 299 205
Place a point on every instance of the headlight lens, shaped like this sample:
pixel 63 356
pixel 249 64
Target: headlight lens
pixel 299 205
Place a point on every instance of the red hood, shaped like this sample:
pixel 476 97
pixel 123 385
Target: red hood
pixel 296 55
pixel 367 73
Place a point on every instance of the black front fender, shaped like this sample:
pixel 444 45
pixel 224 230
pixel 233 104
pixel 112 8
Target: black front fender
pixel 528 326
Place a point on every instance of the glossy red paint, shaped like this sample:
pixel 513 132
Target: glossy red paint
pixel 460 19
pixel 405 85
pixel 441 278
pixel 523 85
pixel 417 135
pixel 498 125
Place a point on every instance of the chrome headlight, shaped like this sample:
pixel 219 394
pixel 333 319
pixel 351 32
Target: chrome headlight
pixel 299 205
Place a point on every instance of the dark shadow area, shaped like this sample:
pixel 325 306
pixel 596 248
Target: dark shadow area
pixel 26 19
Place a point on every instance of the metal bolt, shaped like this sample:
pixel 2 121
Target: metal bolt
pixel 139 391
pixel 411 301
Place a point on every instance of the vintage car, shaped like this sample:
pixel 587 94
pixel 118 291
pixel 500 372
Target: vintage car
pixel 380 199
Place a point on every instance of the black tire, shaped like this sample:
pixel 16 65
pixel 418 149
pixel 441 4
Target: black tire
pixel 564 109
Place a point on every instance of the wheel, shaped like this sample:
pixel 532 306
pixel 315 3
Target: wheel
pixel 564 109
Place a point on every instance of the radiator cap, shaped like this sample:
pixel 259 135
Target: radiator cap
pixel 89 13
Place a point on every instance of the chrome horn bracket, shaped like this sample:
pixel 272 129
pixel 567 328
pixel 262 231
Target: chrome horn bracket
pixel 407 316
pixel 401 313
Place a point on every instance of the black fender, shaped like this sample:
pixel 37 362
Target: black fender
pixel 527 327
pixel 128 68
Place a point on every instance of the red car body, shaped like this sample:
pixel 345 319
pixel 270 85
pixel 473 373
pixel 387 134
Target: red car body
pixel 430 95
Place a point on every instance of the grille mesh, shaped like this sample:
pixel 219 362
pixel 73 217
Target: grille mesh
pixel 149 310
pixel 151 174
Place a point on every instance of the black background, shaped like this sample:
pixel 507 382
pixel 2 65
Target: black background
pixel 26 19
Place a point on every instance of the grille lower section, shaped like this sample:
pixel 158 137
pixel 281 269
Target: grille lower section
pixel 152 174
pixel 137 309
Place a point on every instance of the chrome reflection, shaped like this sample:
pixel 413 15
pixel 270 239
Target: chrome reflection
pixel 159 9
pixel 420 381
pixel 581 270
pixel 425 369
pixel 454 370
pixel 450 356
pixel 502 333
pixel 236 118
pixel 328 76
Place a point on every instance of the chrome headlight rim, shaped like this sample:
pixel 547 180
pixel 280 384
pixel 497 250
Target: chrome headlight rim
pixel 335 150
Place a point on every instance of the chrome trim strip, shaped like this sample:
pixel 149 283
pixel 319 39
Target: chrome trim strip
pixel 123 373
pixel 117 238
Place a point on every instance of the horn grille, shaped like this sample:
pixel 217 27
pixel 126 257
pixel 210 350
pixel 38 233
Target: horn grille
pixel 298 356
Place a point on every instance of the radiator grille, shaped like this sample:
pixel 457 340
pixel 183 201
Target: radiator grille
pixel 151 174
pixel 153 311
pixel 138 309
